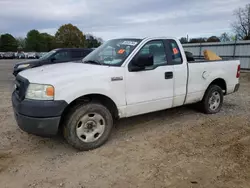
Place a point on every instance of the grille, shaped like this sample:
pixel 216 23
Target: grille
pixel 21 87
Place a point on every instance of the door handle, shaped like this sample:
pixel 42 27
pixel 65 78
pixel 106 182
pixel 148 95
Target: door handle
pixel 168 75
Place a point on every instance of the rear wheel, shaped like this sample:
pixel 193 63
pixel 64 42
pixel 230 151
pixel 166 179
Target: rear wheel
pixel 88 126
pixel 212 100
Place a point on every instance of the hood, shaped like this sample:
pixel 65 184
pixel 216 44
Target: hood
pixel 32 62
pixel 64 72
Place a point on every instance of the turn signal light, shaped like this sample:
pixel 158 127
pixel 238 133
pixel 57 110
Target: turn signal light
pixel 50 91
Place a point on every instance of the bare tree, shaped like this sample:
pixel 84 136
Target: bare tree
pixel 225 37
pixel 242 24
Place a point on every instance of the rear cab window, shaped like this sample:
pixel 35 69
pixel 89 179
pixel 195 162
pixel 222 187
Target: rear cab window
pixel 176 56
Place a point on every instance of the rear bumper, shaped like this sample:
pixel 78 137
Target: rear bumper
pixel 236 88
pixel 232 89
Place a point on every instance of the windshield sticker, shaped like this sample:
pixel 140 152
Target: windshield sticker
pixel 175 50
pixel 131 43
pixel 121 51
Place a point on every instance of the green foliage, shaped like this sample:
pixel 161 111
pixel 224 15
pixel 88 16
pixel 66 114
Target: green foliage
pixel 92 42
pixel 47 42
pixel 69 36
pixel 33 41
pixel 8 43
pixel 197 40
pixel 213 39
pixel 21 43
pixel 39 42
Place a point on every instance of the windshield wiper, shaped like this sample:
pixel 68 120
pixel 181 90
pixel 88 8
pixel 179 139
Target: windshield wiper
pixel 93 62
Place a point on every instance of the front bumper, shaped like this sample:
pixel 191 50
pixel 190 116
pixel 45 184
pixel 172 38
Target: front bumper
pixel 40 118
pixel 38 126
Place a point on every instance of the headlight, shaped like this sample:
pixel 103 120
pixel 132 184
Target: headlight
pixel 40 92
pixel 23 66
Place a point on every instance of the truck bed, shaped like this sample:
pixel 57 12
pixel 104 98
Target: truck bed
pixel 202 73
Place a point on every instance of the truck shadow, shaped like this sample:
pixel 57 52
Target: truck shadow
pixel 151 120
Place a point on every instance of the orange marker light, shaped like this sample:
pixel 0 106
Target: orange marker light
pixel 50 91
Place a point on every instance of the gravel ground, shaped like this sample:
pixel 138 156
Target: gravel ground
pixel 174 148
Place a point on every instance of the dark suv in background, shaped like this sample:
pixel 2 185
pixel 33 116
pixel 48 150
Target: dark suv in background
pixel 60 55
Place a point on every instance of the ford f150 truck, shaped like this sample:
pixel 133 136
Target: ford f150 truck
pixel 121 78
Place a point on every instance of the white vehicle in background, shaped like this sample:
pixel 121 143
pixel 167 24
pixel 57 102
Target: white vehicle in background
pixel 1 55
pixel 137 76
pixel 32 55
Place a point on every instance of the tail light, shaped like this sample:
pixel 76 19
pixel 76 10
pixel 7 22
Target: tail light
pixel 238 72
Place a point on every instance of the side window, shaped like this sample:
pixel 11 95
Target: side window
pixel 176 54
pixel 85 53
pixel 76 54
pixel 62 55
pixel 155 48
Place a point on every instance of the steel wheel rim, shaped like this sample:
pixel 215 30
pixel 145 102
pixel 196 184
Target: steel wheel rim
pixel 90 127
pixel 214 101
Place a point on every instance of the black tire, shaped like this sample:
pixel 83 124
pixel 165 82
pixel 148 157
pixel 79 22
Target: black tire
pixel 205 106
pixel 70 125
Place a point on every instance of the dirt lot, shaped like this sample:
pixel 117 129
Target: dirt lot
pixel 173 148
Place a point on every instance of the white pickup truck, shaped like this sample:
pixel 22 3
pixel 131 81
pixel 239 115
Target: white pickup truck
pixel 121 78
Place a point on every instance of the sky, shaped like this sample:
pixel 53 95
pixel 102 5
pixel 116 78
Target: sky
pixel 116 18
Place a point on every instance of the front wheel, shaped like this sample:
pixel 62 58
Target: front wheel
pixel 212 100
pixel 88 126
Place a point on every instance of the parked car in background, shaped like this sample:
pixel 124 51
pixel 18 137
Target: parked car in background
pixel 55 56
pixel 32 55
pixel 41 54
pixel 140 76
pixel 20 55
pixel 1 55
pixel 9 55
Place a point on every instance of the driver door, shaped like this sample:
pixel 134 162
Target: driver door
pixel 150 89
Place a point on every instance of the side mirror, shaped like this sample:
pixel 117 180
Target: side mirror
pixel 142 61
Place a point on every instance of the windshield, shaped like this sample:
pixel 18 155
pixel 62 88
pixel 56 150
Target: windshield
pixel 47 55
pixel 113 52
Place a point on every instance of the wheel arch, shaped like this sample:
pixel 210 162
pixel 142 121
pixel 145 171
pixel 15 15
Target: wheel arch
pixel 103 99
pixel 221 83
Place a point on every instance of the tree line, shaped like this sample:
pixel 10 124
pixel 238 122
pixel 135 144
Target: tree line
pixel 240 28
pixel 67 36
pixel 224 37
